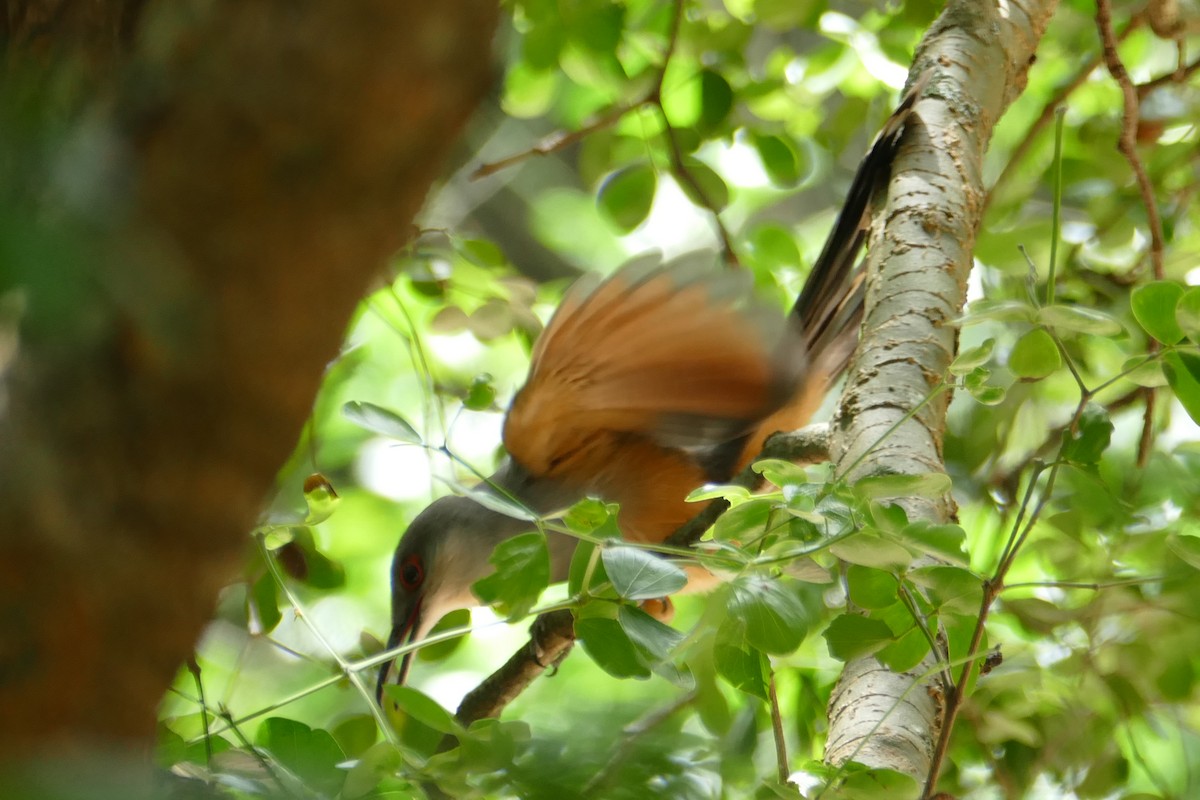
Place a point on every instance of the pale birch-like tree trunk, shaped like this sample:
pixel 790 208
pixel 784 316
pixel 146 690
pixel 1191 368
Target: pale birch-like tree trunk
pixel 919 262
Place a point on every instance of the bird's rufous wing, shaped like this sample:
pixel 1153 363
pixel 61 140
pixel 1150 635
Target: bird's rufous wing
pixel 677 358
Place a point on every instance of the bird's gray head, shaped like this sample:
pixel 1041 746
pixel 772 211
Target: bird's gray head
pixel 445 550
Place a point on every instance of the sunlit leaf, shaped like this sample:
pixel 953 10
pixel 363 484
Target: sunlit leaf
pixel 608 645
pixel 312 754
pixel 906 652
pixel 422 708
pixel 703 186
pixel 871 550
pixel 379 420
pixel 779 159
pixel 1078 319
pixel 871 588
pixel 522 573
pixel 1183 374
pixel 1154 307
pixel 744 668
pixel 459 618
pixel 1034 356
pixel 1090 438
pixel 640 575
pixel 973 357
pixel 264 596
pixel 853 635
pixel 931 485
pixel 626 195
pixel 1187 313
pixel 952 589
pixel 770 613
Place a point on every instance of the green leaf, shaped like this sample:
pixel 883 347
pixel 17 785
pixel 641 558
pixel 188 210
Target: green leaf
pixel 716 99
pixel 744 520
pixel 640 575
pixel 871 550
pixel 627 195
pixel 881 784
pixel 608 645
pixel 481 252
pixel 522 574
pixel 871 588
pixel 1183 375
pixel 1034 356
pixel 312 755
pixel 973 357
pixel 264 596
pixel 773 247
pixel 1094 432
pixel 1154 308
pixel 481 395
pixel 906 652
pixel 930 485
pixel 320 497
pixel 654 639
pixel 355 734
pixel 422 708
pixel 743 668
pixel 851 636
pixel 1077 319
pixel 1187 548
pixel 459 618
pixel 770 614
pixel 380 420
pixel 942 541
pixel 380 761
pixel 779 159
pixel 1000 311
pixel 713 192
pixel 1144 371
pixel 951 589
pixel 1187 313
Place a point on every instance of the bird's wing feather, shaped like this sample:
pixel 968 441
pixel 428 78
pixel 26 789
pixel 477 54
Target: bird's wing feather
pixel 678 354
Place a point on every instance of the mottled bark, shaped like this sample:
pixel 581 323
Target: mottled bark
pixel 919 263
pixel 258 162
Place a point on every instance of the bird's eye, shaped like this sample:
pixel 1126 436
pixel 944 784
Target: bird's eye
pixel 411 572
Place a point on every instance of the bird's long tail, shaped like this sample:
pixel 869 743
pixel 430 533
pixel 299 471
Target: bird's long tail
pixel 830 306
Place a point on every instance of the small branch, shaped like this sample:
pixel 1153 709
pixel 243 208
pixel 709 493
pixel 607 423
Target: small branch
pixel 560 140
pixel 1127 143
pixel 678 168
pixel 1178 76
pixel 551 638
pixel 781 756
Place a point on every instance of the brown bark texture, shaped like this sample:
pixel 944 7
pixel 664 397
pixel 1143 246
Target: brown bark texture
pixel 918 268
pixel 254 165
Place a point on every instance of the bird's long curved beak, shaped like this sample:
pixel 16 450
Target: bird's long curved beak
pixel 402 634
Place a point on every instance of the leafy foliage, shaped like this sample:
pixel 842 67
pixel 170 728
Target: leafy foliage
pixel 744 139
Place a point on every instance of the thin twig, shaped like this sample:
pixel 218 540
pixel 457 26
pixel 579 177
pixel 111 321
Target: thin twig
pixel 1175 76
pixel 1127 144
pixel 781 756
pixel 675 152
pixel 560 140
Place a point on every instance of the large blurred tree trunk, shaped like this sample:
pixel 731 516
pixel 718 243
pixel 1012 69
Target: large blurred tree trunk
pixel 195 195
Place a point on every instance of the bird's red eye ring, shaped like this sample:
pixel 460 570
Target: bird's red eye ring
pixel 412 573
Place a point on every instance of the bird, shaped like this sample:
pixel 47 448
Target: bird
pixel 642 388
